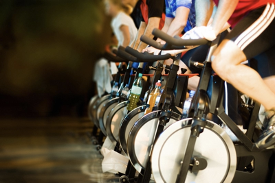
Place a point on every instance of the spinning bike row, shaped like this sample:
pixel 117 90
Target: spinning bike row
pixel 167 146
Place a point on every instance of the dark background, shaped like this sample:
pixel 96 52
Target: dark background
pixel 48 49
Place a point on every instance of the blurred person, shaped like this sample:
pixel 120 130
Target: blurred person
pixel 147 15
pixel 179 18
pixel 122 24
pixel 125 32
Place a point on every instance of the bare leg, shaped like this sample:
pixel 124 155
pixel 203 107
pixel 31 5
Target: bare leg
pixel 270 82
pixel 226 62
pixel 193 82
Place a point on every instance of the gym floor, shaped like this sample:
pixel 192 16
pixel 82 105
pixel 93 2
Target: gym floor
pixel 53 150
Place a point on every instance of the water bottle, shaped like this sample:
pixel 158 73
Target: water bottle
pixel 135 93
pixel 125 92
pixel 154 98
pixel 187 104
pixel 114 90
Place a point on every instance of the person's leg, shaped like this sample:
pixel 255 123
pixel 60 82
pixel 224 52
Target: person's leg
pixel 264 63
pixel 226 63
pixel 252 35
pixel 270 82
pixel 198 55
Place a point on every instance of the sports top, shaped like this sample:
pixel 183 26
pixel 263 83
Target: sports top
pixel 172 5
pixel 243 7
pixel 123 19
pixel 146 9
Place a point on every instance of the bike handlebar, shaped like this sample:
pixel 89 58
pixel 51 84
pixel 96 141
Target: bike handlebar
pixel 159 46
pixel 151 42
pixel 146 57
pixel 175 41
pixel 112 58
pixel 122 53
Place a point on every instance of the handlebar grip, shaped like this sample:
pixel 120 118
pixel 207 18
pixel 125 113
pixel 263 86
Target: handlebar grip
pixel 113 58
pixel 146 57
pixel 154 58
pixel 151 42
pixel 122 53
pixel 114 51
pixel 157 45
pixel 133 52
pixel 176 41
pixel 160 34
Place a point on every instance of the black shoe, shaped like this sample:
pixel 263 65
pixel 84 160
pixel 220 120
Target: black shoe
pixel 267 138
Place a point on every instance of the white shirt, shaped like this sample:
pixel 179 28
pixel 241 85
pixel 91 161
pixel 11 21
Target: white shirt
pixel 123 19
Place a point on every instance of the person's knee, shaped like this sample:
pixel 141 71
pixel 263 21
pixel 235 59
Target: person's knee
pixel 222 67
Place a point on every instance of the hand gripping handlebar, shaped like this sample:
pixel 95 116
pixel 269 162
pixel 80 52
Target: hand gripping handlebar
pixel 160 46
pixel 146 57
pixel 151 42
pixel 174 42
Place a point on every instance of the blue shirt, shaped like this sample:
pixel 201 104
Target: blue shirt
pixel 172 5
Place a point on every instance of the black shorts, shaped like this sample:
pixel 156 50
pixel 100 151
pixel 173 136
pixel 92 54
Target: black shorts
pixel 255 33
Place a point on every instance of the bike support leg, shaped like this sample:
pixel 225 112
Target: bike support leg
pixel 187 158
pixel 130 171
pixel 100 138
pixel 148 168
pixel 94 132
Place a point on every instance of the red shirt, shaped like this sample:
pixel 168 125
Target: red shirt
pixel 243 7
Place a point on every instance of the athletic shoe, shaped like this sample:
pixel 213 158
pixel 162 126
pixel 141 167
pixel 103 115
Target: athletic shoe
pixel 267 138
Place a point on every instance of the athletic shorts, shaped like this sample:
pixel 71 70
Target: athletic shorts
pixel 255 33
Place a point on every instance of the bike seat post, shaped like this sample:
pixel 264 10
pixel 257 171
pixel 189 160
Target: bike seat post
pixel 166 99
pixel 213 46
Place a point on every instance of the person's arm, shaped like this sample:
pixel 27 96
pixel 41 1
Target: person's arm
pixel 179 21
pixel 226 25
pixel 126 35
pixel 174 26
pixel 167 23
pixel 165 28
pixel 153 23
pixel 223 13
pixel 204 9
pixel 140 32
pixel 155 10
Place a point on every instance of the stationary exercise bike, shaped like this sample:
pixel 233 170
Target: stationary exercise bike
pixel 198 150
pixel 120 132
pixel 144 133
pixel 120 120
pixel 167 95
pixel 120 110
pixel 97 103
